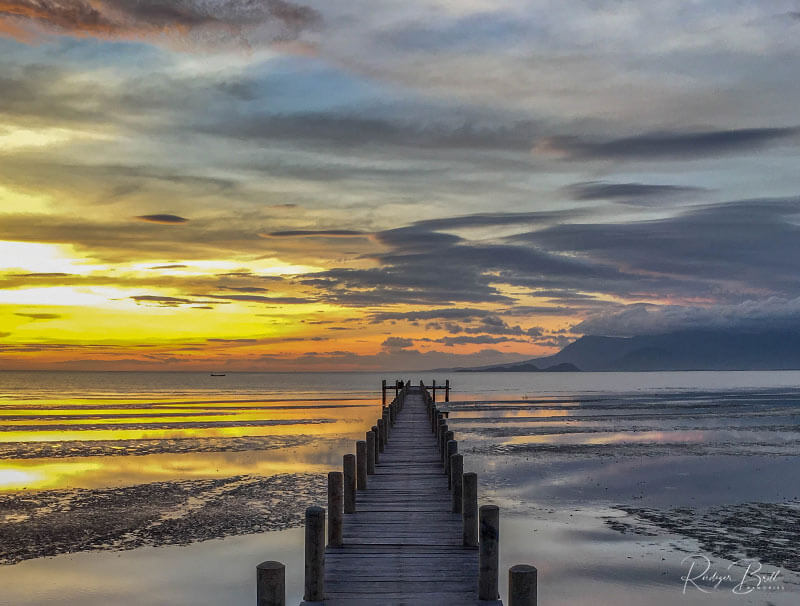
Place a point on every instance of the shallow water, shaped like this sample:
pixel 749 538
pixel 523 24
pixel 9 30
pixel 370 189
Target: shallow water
pixel 588 468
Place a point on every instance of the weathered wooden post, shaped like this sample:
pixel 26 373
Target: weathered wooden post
pixel 383 393
pixel 271 584
pixel 469 504
pixel 385 426
pixel 361 464
pixel 315 554
pixel 371 452
pixel 440 429
pixel 489 550
pixel 381 434
pixel 456 480
pixel 433 389
pixel 447 437
pixel 452 448
pixel 522 582
pixel 349 461
pixel 447 390
pixel 335 507
pixel 377 443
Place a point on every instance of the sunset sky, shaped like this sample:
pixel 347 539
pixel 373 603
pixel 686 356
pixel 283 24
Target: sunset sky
pixel 264 185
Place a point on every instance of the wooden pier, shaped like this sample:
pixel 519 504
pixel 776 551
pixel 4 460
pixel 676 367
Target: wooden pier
pixel 403 523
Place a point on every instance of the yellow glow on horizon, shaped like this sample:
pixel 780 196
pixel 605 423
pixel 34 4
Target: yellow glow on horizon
pixel 36 257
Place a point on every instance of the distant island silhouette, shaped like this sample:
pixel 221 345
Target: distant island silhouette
pixel 680 350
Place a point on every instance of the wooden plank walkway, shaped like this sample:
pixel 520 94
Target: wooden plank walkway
pixel 404 545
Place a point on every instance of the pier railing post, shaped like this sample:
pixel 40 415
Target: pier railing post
pixel 447 390
pixel 361 464
pixel 456 480
pixel 383 393
pixel 335 508
pixel 371 452
pixel 433 389
pixel 381 434
pixel 469 504
pixel 489 550
pixel 270 584
pixel 452 448
pixel 349 464
pixel 315 555
pixel 522 582
pixel 385 426
pixel 447 437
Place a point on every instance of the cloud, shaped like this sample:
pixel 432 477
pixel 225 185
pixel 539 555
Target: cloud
pixel 460 313
pixel 165 219
pixel 161 300
pixel 772 313
pixel 240 20
pixel 396 343
pixel 474 340
pixel 666 145
pixel 630 193
pixel 322 233
pixel 38 316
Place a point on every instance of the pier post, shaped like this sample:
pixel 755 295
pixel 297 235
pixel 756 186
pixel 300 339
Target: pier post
pixel 349 464
pixel 489 550
pixel 335 507
pixel 271 584
pixel 433 389
pixel 456 480
pixel 381 433
pixel 522 582
pixel 469 504
pixel 383 393
pixel 315 555
pixel 452 448
pixel 447 390
pixel 361 464
pixel 377 443
pixel 371 452
pixel 447 437
pixel 385 426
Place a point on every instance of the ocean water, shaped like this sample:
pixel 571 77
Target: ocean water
pixel 169 488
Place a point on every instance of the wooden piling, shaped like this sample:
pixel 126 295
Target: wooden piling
pixel 383 393
pixel 315 555
pixel 371 452
pixel 271 584
pixel 469 504
pixel 349 464
pixel 335 507
pixel 489 552
pixel 456 480
pixel 452 448
pixel 447 437
pixel 361 465
pixel 433 389
pixel 522 585
pixel 447 390
pixel 381 434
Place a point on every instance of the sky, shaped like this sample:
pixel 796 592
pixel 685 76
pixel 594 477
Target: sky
pixel 336 185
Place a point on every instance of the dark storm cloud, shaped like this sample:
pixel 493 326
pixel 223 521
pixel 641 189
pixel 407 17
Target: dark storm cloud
pixel 261 299
pixel 166 219
pixel 455 313
pixel 396 343
pixel 628 192
pixel 752 244
pixel 474 340
pixel 669 145
pixel 350 130
pixel 322 233
pixel 146 18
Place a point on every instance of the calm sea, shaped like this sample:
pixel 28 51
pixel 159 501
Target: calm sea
pixel 576 461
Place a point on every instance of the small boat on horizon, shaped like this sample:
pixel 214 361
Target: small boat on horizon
pixel 217 374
